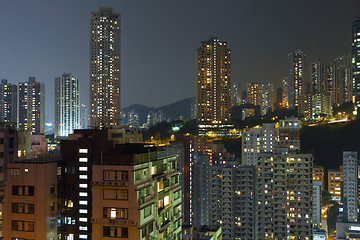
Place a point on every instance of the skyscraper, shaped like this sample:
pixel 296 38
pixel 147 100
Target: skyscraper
pixel 285 92
pixel 297 78
pixel 284 195
pixel 350 186
pixel 342 80
pixel 67 105
pixel 356 61
pixel 237 212
pixel 104 68
pixel 318 77
pixel 213 81
pixel 8 102
pixel 32 106
pixel 267 98
pixel 253 93
pixel 236 95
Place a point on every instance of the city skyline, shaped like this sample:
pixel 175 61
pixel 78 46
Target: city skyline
pixel 230 155
pixel 256 36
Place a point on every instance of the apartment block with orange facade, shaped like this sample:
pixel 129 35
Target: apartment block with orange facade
pixel 335 180
pixel 29 207
pixel 318 175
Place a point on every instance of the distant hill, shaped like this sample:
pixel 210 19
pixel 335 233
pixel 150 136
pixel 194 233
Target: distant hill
pixel 172 111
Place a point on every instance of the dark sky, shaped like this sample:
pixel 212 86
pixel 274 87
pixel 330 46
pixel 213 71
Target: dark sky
pixel 159 37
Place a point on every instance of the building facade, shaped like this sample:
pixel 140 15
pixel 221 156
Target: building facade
pixel 253 93
pixel 213 81
pixel 297 77
pixel 335 180
pixel 105 68
pixel 350 186
pixel 30 205
pixel 284 196
pixel 285 92
pixel 119 190
pixel 32 106
pixel 356 61
pixel 236 95
pixel 232 200
pixel 67 105
pixel 8 150
pixel 289 134
pixel 8 102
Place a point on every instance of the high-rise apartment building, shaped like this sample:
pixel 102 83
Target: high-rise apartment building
pixel 305 105
pixel 356 61
pixel 253 93
pixel 321 104
pixel 232 200
pixel 318 175
pixel 8 151
pixel 289 134
pixel 30 205
pixel 105 68
pixel 133 119
pixel 8 102
pixel 236 95
pixel 297 77
pixel 318 77
pixel 268 138
pixel 342 80
pixel 117 190
pixel 32 106
pixel 317 204
pixel 84 116
pixel 285 92
pixel 350 187
pixel 258 140
pixel 213 81
pixel 284 196
pixel 67 105
pixel 265 100
pixel 335 180
pixel 314 105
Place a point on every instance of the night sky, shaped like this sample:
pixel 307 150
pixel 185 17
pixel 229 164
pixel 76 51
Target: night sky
pixel 159 38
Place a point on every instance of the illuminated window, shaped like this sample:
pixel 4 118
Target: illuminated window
pixel 83 168
pixel 83 194
pixel 83 160
pixel 83 150
pixel 83 211
pixel 113 213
